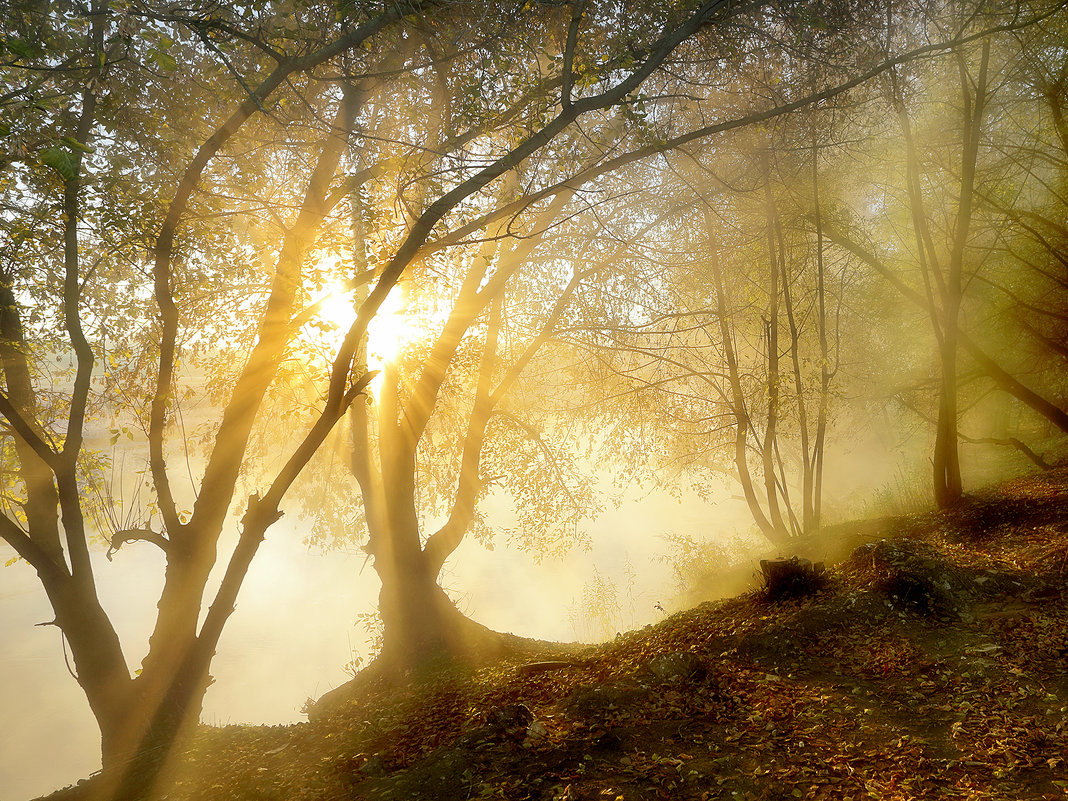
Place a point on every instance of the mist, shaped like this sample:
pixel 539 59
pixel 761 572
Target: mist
pixel 295 633
pixel 339 342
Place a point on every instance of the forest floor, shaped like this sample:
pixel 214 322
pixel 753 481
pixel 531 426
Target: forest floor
pixel 931 663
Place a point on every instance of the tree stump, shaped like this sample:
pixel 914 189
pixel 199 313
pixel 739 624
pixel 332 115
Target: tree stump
pixel 791 578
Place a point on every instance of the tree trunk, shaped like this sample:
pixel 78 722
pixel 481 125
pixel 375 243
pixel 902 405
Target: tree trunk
pixel 825 364
pixel 419 621
pixel 139 739
pixel 771 327
pixel 738 407
pixel 948 488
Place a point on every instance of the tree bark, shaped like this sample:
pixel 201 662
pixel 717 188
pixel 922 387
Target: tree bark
pixel 771 328
pixel 825 366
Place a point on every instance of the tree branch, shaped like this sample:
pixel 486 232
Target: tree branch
pixel 420 230
pixel 998 374
pixel 275 329
pixel 164 249
pixel 48 568
pixel 27 433
pixel 579 179
pixel 578 8
pixel 124 535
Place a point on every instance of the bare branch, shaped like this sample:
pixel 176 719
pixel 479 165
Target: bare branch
pixel 122 536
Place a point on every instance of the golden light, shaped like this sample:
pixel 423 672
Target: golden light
pixel 388 334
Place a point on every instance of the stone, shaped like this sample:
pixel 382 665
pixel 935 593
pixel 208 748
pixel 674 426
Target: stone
pixel 676 666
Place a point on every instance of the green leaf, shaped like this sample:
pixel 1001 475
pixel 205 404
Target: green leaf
pixel 165 60
pixel 60 160
pixel 74 143
pixel 17 47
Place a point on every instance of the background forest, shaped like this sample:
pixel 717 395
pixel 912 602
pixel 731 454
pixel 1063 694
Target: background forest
pixel 432 278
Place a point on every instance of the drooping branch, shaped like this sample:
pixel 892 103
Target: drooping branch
pixel 125 535
pixel 548 329
pixel 535 436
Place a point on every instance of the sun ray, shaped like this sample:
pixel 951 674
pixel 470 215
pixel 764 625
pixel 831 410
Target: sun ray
pixel 388 335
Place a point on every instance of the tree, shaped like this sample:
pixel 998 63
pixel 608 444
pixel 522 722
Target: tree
pixel 699 358
pixel 596 61
pixel 958 237
pixel 943 273
pixel 275 59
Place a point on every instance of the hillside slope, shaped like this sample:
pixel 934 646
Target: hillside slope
pixel 932 664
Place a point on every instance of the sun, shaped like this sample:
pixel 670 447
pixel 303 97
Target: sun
pixel 388 334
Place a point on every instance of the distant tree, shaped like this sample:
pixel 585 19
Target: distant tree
pixel 726 353
pixel 955 246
